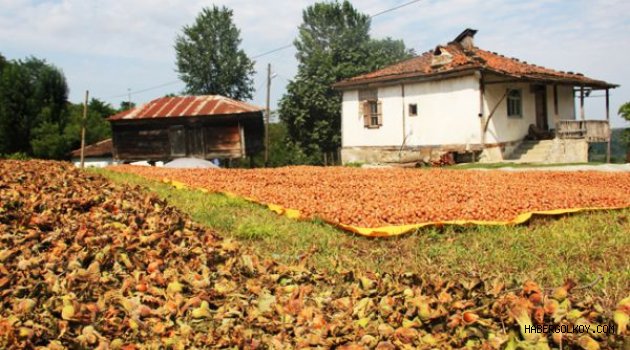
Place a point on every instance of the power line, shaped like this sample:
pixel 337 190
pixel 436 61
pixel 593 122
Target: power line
pixel 281 48
pixel 132 92
pixel 371 16
pixel 395 8
pixel 273 51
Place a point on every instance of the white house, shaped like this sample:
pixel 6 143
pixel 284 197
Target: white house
pixel 462 99
pixel 97 155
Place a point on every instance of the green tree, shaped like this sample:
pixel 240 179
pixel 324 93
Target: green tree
pixel 32 92
pixel 97 128
pixel 333 44
pixel 209 59
pixel 125 105
pixel 384 52
pixel 47 141
pixel 624 112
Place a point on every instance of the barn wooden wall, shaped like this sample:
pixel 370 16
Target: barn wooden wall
pixel 200 137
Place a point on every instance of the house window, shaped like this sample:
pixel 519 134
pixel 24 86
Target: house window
pixel 371 109
pixel 413 109
pixel 372 115
pixel 514 103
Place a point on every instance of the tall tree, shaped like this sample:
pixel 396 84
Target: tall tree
pixel 333 44
pixel 209 59
pixel 125 105
pixel 97 127
pixel 624 112
pixel 32 92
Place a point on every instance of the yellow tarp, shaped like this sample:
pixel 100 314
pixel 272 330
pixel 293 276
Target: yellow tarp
pixel 390 231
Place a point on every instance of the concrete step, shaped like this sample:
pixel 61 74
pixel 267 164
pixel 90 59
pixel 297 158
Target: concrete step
pixel 532 152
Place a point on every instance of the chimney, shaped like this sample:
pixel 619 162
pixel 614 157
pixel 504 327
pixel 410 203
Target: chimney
pixel 466 39
pixel 440 57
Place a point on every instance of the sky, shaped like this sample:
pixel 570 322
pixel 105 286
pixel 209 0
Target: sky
pixel 116 48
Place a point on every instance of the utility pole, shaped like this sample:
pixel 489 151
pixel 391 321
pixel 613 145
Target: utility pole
pixel 129 97
pixel 608 150
pixel 85 108
pixel 267 115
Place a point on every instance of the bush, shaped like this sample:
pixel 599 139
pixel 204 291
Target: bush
pixel 15 156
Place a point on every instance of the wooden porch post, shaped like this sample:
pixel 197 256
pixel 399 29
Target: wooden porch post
pixel 555 100
pixel 608 120
pixel 582 102
pixel 482 91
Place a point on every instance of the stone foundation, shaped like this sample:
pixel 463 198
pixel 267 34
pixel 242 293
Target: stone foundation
pixel 409 154
pixel 389 154
pixel 563 151
pixel 568 151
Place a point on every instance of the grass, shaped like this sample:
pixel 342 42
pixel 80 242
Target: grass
pixel 586 247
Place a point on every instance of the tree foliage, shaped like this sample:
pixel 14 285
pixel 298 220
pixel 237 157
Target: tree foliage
pixel 624 112
pixel 209 59
pixel 282 151
pixel 125 105
pixel 333 44
pixel 97 127
pixel 32 92
pixel 35 117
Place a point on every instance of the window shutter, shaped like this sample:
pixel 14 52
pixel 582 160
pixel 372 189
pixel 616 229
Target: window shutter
pixel 366 114
pixel 379 111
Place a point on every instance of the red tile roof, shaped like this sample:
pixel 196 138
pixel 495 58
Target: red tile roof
pixel 187 106
pixel 100 149
pixel 423 66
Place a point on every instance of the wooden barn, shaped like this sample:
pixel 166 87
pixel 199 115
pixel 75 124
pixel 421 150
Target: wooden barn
pixel 204 127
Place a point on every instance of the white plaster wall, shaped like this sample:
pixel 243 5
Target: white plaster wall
pixel 447 114
pixel 503 128
pixel 93 162
pixel 566 102
pixel 566 105
pixel 353 131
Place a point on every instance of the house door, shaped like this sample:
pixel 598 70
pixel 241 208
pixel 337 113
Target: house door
pixel 195 142
pixel 177 139
pixel 541 107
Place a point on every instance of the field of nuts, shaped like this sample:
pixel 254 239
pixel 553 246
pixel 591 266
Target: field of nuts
pixel 86 264
pixel 388 197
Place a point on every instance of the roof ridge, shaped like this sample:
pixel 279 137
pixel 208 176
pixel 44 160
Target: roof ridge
pixel 474 58
pixel 187 105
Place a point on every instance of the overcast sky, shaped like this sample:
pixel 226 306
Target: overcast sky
pixel 110 46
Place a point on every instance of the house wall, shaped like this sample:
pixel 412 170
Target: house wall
pixel 353 131
pixel 504 129
pixel 501 127
pixel 447 120
pixel 566 105
pixel 170 138
pixel 447 114
pixel 93 162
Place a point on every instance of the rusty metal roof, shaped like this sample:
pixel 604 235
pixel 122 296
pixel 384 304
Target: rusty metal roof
pixel 100 149
pixel 187 106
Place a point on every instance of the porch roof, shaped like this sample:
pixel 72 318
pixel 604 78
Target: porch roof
pixel 454 59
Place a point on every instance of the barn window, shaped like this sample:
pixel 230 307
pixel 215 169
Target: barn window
pixel 515 103
pixel 413 109
pixel 371 109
